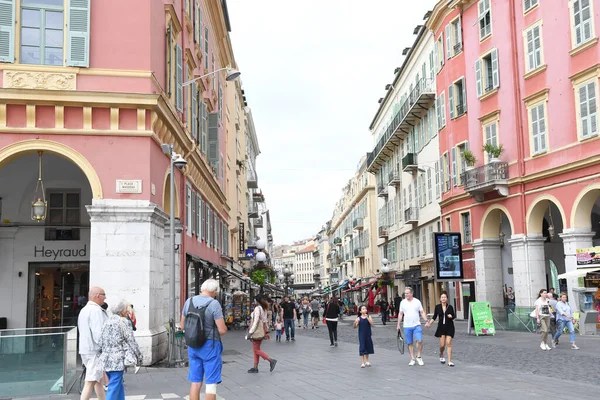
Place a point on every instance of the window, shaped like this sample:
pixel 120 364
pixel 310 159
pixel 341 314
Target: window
pixel 466 226
pixel 198 24
pixel 64 210
pixel 439 52
pixel 417 241
pixel 491 133
pixel 209 228
pixel 429 186
pixel 198 221
pixel 440 108
pixel 485 19
pixel 462 165
pixel 437 179
pixel 457 98
pixel 392 251
pixel 446 171
pixel 453 38
pixel 431 238
pixel 424 240
pixel 203 137
pixel 537 118
pixel 178 78
pixel 448 225
pixel 588 109
pixel 486 73
pixel 529 4
pixel 454 167
pixel 533 47
pixel 206 49
pixel 188 210
pixel 193 209
pixel 583 23
pixel 432 65
pixel 412 246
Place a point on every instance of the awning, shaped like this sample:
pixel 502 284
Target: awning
pixel 578 273
pixel 361 286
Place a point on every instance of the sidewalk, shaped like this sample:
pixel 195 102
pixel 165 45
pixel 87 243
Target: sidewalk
pixel 309 369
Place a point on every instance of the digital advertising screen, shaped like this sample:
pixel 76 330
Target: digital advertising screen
pixel 448 256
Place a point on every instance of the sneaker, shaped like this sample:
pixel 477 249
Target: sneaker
pixel 574 347
pixel 547 347
pixel 411 363
pixel 442 360
pixel 368 364
pixel 553 344
pixel 272 363
pixel 335 344
pixel 362 365
pixel 451 364
pixel 419 361
pixel 542 346
pixel 253 371
pixel 331 345
pixel 293 340
pixel 287 339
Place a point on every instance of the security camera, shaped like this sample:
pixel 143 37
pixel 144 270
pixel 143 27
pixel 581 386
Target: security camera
pixel 179 162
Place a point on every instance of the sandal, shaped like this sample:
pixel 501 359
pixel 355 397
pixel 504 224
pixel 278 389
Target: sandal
pixel 451 364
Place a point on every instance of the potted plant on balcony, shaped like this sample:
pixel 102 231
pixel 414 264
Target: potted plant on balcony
pixel 493 151
pixel 469 158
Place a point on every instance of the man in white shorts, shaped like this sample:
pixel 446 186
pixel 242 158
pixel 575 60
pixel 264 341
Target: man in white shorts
pixel 90 322
pixel 410 308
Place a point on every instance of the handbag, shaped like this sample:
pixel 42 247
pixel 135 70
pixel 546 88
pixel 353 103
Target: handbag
pixel 259 332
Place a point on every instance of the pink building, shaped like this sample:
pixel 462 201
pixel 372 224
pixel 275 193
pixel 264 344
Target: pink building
pixel 523 75
pixel 95 87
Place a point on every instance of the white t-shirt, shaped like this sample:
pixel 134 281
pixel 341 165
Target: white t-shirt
pixel 411 310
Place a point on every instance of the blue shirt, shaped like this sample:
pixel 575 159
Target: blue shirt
pixel 212 313
pixel 563 308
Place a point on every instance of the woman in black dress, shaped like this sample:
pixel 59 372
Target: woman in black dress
pixel 445 330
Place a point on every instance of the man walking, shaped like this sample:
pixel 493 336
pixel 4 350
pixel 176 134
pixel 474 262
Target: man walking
pixel 411 308
pixel 397 301
pixel 206 361
pixel 384 305
pixel 288 310
pixel 564 316
pixel 90 322
pixel 314 306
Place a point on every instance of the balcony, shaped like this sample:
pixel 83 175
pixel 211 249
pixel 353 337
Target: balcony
pixel 258 222
pixel 410 112
pixel 358 224
pixel 359 253
pixel 486 178
pixel 383 232
pixel 251 178
pixel 258 197
pixel 394 177
pixel 337 241
pixel 411 215
pixel 409 162
pixel 457 48
pixel 347 232
pixel 252 211
pixel 382 191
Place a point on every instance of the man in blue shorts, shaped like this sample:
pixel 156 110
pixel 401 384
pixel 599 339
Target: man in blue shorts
pixel 206 361
pixel 410 308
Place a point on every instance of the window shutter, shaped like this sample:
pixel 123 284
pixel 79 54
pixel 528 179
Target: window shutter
pixel 530 50
pixel 535 129
pixel 459 29
pixel 593 109
pixel 203 216
pixel 451 100
pixel 437 180
pixel 7 31
pixel 203 127
pixel 438 113
pixel 196 22
pixel 495 72
pixel 464 95
pixel 441 174
pixel 193 206
pixel 178 79
pixel 78 34
pixel 478 78
pixel 448 42
pixel 454 180
pixel 194 120
pixel 213 141
pixel 443 109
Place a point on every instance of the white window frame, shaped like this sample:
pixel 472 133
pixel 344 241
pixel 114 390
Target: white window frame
pixel 535 135
pixel 439 52
pixel 535 52
pixel 590 21
pixel 529 5
pixel 590 119
pixel 466 239
pixel 493 128
pixel 484 7
pixel 482 80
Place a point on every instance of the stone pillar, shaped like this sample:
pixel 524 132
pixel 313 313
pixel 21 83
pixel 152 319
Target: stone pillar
pixel 126 260
pixel 13 306
pixel 529 267
pixel 167 274
pixel 573 239
pixel 488 267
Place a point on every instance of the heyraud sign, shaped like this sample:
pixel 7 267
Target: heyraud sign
pixel 43 252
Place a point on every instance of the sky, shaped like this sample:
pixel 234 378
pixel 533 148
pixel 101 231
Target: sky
pixel 312 71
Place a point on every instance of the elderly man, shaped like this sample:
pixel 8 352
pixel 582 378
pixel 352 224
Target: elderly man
pixel 90 322
pixel 411 308
pixel 206 362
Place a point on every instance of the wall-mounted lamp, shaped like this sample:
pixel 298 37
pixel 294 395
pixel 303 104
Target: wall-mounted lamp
pixel 501 238
pixel 551 231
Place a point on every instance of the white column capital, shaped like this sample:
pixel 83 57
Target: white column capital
pixel 486 243
pixel 9 232
pixel 109 210
pixel 576 234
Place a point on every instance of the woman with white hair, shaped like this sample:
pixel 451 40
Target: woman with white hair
pixel 118 349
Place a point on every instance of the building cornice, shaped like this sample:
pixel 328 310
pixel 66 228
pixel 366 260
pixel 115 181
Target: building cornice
pixel 350 207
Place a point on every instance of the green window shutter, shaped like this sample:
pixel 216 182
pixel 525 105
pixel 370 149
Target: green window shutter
pixel 448 42
pixel 7 31
pixel 495 73
pixel 478 78
pixel 194 120
pixel 78 34
pixel 464 95
pixel 178 79
pixel 213 141
pixel 451 100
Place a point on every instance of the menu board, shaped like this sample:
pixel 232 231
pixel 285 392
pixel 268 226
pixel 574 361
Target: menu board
pixel 483 320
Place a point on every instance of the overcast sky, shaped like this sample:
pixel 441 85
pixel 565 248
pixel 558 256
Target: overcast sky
pixel 313 71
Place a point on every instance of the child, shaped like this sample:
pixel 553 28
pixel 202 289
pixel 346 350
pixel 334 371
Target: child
pixel 365 343
pixel 278 330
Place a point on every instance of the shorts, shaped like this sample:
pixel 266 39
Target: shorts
pixel 315 314
pixel 206 363
pixel 94 372
pixel 414 332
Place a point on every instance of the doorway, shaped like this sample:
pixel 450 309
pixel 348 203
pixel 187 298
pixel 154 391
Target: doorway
pixel 57 293
pixel 468 296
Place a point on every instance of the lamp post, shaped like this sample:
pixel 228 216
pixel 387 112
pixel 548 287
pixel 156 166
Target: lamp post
pixel 232 75
pixel 286 276
pixel 175 160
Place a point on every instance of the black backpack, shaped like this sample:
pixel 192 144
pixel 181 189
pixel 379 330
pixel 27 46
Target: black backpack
pixel 195 336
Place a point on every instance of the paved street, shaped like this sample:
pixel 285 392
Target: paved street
pixel 506 366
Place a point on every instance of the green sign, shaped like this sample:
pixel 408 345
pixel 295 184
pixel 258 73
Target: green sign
pixel 481 314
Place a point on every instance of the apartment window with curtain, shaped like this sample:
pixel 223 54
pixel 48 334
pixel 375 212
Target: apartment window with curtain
pixel 582 17
pixel 487 75
pixel 533 47
pixel 485 19
pixel 587 105
pixel 457 98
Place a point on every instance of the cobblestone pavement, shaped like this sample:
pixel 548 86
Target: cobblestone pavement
pixel 500 367
pixel 507 350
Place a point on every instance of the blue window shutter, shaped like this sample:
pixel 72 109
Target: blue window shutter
pixel 178 79
pixel 7 31
pixel 78 34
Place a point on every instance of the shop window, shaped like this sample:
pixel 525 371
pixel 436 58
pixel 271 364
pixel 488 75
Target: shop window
pixel 64 214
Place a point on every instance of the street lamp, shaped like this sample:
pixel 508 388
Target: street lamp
pixel 385 269
pixel 232 75
pixel 175 161
pixel 286 276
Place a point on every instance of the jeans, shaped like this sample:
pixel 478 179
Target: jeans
pixel 561 327
pixel 258 352
pixel 116 388
pixel 332 328
pixel 289 326
pixel 305 318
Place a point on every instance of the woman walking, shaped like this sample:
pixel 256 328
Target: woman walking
pixel 542 316
pixel 365 342
pixel 332 312
pixel 259 330
pixel 118 349
pixel 305 312
pixel 445 330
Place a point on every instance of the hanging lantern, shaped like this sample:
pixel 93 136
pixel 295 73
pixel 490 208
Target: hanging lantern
pixel 39 205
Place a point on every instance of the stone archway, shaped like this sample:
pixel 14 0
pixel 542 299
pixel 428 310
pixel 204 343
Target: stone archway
pixel 492 219
pixel 583 206
pixel 167 195
pixel 540 209
pixel 18 149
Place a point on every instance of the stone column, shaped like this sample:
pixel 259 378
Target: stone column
pixel 488 267
pixel 529 267
pixel 573 239
pixel 167 274
pixel 126 260
pixel 14 303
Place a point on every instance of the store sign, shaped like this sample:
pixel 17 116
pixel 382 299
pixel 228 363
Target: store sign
pixel 241 236
pixel 448 256
pixel 588 256
pixel 129 186
pixel 54 254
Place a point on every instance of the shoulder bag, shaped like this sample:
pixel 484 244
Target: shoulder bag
pixel 259 332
